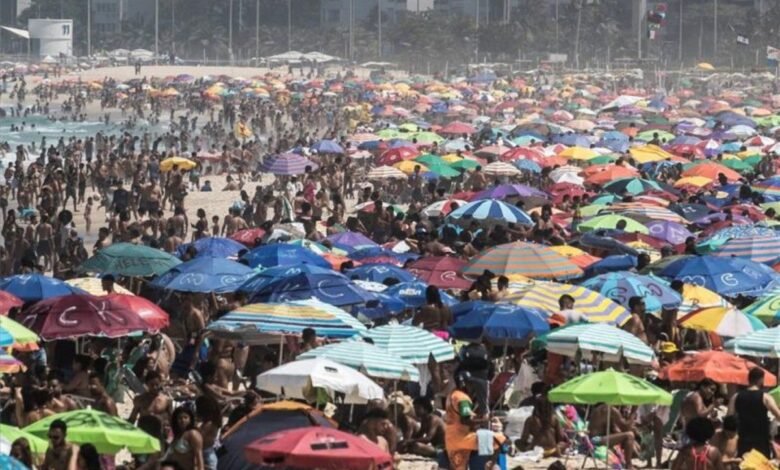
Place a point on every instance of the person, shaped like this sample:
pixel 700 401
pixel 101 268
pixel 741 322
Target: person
pixel 434 315
pixel 20 450
pixel 699 403
pixel 88 458
pixel 187 445
pixel 620 431
pixel 699 454
pixel 308 339
pixel 726 441
pixel 459 438
pixel 428 439
pixel 152 401
pixel 103 402
pixel 374 428
pixel 61 455
pixel 107 284
pixel 544 430
pixel 752 407
pixel 210 417
pixel 635 324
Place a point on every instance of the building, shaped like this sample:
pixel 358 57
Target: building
pixel 337 12
pixel 51 37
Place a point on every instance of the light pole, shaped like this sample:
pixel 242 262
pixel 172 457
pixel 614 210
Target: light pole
pixel 379 24
pixel 89 28
pixel 230 31
pixel 715 30
pixel 289 25
pixel 257 33
pixel 156 30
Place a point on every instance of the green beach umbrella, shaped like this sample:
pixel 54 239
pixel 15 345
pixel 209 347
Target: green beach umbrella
pixel 367 358
pixel 737 165
pixel 444 170
pixel 593 210
pixel 427 137
pixel 602 159
pixel 107 433
pixel 389 133
pixel 647 136
pixel 38 446
pixel 430 159
pixel 464 164
pixel 126 259
pixel 610 221
pixel 610 387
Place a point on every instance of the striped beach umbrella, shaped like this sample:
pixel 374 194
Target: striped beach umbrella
pixel 367 358
pixel 287 164
pixel 759 249
pixel 289 318
pixel 23 339
pixel 728 322
pixel 500 169
pixel 598 337
pixel 410 343
pixel 762 343
pixel 528 259
pixel 442 208
pixel 593 306
pixel 10 364
pixel 767 309
pixel 490 211
pixel 698 297
pixel 581 258
pixel 386 173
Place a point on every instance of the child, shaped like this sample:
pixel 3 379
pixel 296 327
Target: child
pixel 88 215
pixel 215 226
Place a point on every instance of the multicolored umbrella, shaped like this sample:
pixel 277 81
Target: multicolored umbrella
pixel 581 258
pixel 442 208
pixel 367 358
pixel 762 343
pixel 632 186
pixel 613 342
pixel 410 343
pixel 759 249
pixel 289 318
pixel 490 212
pixel 22 339
pixel 767 309
pixel 722 367
pixel 724 321
pixel 10 364
pixel 288 164
pixel 127 259
pixel 621 286
pixel 528 259
pixel 698 297
pixel 591 305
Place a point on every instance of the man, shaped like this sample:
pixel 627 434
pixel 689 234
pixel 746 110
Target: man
pixel 620 430
pixel 751 406
pixel 699 403
pixel 107 284
pixel 103 402
pixel 635 324
pixel 153 401
pixel 375 426
pixel 308 340
pixel 429 438
pixel 726 440
pixel 61 455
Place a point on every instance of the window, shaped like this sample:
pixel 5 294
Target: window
pixel 66 30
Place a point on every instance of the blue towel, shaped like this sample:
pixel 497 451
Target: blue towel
pixel 485 442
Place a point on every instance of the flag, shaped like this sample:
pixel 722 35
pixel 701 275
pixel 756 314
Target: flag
pixel 744 40
pixel 772 56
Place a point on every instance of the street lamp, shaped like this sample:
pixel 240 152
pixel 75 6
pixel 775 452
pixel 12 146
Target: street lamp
pixel 89 28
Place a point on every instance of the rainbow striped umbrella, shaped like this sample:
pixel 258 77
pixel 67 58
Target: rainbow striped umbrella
pixel 528 259
pixel 698 297
pixel 23 338
pixel 289 318
pixel 10 364
pixel 724 321
pixel 592 305
pixel 759 249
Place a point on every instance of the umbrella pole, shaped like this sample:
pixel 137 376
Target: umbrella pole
pixel 281 348
pixel 609 429
pixel 395 408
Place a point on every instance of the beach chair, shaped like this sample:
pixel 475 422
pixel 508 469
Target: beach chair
pixel 500 384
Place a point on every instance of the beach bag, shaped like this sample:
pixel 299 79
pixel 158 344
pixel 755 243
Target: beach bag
pixel 755 460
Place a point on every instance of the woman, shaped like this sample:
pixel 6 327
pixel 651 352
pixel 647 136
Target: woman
pixel 187 446
pixel 210 419
pixel 434 315
pixel 88 458
pixel 699 454
pixel 20 450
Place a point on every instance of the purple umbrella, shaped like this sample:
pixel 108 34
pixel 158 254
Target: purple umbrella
pixel 720 217
pixel 672 232
pixel 351 240
pixel 288 164
pixel 503 191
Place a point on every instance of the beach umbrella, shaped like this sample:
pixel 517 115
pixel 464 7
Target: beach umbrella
pixel 529 259
pixel 442 208
pixel 328 146
pixel 610 340
pixel 397 155
pixel 610 387
pixel 500 169
pixel 75 315
pixel 351 241
pixel 205 274
pixel 290 318
pixel 35 287
pixel 16 336
pixel 611 173
pixel 610 222
pixel 671 232
pixel 315 447
pixel 464 165
pixel 458 128
pixel 698 297
pixel 248 236
pixel 761 343
pixel 127 259
pixel 215 247
pixel 759 249
pixel 501 324
pixel 621 286
pixel 631 186
pixel 179 162
pixel 490 212
pixel 726 276
pixel 440 271
pixel 580 258
pixel 9 301
pixel 10 364
pixel 724 321
pixel 504 191
pixel 299 379
pixel 94 286
pixel 367 358
pixel 380 273
pixel 578 153
pixel 281 255
pixel 589 304
pixel 38 446
pixel 722 367
pixel 410 343
pixel 107 433
pixel 9 463
pixel 766 309
pixel 611 263
pixel 385 172
pixel 287 164
pixel 711 170
pixel 154 316
pixel 413 294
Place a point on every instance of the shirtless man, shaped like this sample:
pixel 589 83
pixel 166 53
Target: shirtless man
pixel 429 438
pixel 172 241
pixel 725 440
pixel 375 426
pixel 234 223
pixel 60 403
pixel 103 402
pixel 61 455
pixel 694 405
pixel 44 246
pixel 634 324
pixel 79 382
pixel 179 222
pixel 152 402
pixel 151 196
pixel 620 432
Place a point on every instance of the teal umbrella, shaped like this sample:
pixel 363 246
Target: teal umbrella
pixel 410 343
pixel 365 357
pixel 127 259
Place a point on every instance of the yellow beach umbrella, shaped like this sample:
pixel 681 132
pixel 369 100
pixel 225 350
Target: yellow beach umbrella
pixel 180 162
pixel 579 153
pixel 407 166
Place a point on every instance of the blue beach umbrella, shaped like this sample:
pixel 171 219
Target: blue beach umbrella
pixel 726 276
pixel 490 211
pixel 216 247
pixel 205 274
pixel 283 254
pixel 413 294
pixel 499 323
pixel 35 287
pixel 621 286
pixel 379 273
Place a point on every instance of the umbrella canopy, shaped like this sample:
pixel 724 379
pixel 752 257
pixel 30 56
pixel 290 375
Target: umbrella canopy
pixel 127 259
pixel 367 358
pixel 283 254
pixel 287 318
pixel 410 343
pixel 504 191
pixel 205 274
pixel 21 338
pixel 179 162
pixel 722 367
pixel 632 186
pixel 38 446
pixel 414 294
pixel 215 247
pixel 380 273
pixel 621 286
pixel 10 364
pixel 301 282
pixel 351 241
pixel 725 321
pixel 529 259
pixel 611 222
pixel 442 208
pixel 9 463
pixel 762 343
pixel 107 433
pixel 491 212
pixel 249 236
pixel 440 271
pixel 315 447
pixel 35 287
pixel 599 337
pixel 94 286
pixel 726 276
pixel 589 304
pixel 154 316
pixel 671 232
pixel 9 301
pixel 759 249
pixel 299 379
pixel 766 309
pixel 500 323
pixel 75 315
pixel 610 387
pixel 288 164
